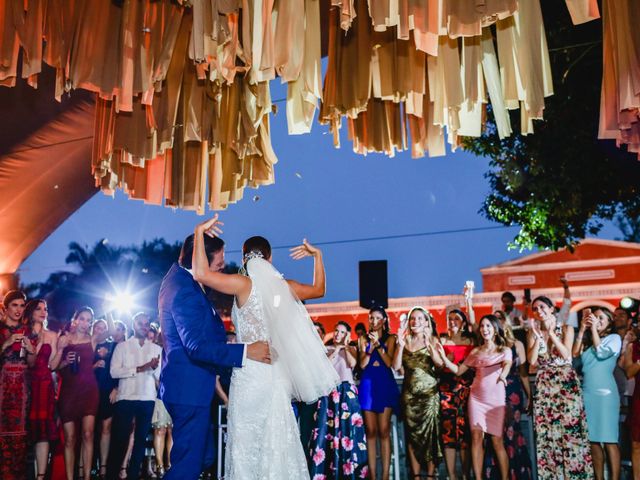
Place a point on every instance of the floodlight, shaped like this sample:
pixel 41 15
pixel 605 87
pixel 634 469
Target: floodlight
pixel 630 304
pixel 121 301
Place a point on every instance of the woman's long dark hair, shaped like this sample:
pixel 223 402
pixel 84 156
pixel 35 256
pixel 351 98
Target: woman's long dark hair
pixel 466 331
pixel 546 300
pixel 588 336
pixel 345 325
pixel 499 335
pixel 30 309
pixel 385 327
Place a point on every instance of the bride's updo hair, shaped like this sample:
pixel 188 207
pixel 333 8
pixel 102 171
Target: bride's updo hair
pixel 257 244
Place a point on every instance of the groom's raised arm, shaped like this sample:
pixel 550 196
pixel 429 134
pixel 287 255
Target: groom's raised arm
pixel 197 337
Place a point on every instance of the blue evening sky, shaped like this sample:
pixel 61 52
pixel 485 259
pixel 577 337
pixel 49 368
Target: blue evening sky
pixel 327 194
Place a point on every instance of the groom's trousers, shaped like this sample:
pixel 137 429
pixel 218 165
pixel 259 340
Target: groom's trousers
pixel 193 441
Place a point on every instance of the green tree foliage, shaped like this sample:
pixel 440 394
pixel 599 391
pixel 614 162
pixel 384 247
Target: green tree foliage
pixel 629 226
pixel 560 184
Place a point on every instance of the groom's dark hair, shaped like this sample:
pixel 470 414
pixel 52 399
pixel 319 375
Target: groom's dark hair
pixel 212 245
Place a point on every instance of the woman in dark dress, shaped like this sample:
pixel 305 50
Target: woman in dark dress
pixel 15 351
pixel 378 392
pixel 107 386
pixel 42 421
pixel 79 394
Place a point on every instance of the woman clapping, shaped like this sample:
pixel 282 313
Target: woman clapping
pixel 338 444
pixel 378 390
pixel 562 443
pixel 599 348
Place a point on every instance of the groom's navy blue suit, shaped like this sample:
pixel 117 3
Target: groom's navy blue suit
pixel 194 344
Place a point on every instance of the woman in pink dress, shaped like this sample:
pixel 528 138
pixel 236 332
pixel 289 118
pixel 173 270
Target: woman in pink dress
pixel 487 402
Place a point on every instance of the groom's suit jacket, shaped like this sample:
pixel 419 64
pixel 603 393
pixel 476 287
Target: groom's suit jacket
pixel 194 341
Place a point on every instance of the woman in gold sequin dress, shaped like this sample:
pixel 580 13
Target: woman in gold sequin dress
pixel 417 356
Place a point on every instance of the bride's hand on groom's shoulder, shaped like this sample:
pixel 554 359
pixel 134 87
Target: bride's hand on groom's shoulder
pixel 304 250
pixel 210 227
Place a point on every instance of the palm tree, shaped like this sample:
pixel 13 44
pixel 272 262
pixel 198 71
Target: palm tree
pixel 103 270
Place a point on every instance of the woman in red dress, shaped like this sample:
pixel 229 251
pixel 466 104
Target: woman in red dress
pixel 42 422
pixel 79 396
pixel 454 394
pixel 15 351
pixel 631 363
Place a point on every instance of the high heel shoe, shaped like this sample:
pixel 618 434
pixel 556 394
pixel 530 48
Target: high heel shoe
pixel 151 470
pixel 160 471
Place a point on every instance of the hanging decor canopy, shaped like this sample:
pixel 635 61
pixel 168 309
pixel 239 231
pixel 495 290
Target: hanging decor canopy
pixel 183 97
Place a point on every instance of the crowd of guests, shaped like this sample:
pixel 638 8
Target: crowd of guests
pixel 90 382
pixel 464 393
pixel 462 397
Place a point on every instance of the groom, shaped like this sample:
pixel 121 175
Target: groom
pixel 194 345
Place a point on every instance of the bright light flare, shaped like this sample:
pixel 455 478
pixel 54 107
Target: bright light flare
pixel 121 301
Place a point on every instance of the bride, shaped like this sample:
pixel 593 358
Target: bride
pixel 263 437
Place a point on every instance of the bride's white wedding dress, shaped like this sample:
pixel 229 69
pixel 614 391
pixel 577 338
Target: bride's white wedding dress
pixel 263 440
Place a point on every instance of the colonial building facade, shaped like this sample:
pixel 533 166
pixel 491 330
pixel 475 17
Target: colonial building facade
pixel 600 272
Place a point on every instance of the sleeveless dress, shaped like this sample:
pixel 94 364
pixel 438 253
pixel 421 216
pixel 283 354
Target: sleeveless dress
pixel 421 405
pixel 454 396
pixel 79 396
pixel 601 397
pixel 562 443
pixel 515 442
pixel 338 446
pixel 106 383
pixel 14 407
pixel 487 401
pixel 263 440
pixel 42 423
pixel 378 388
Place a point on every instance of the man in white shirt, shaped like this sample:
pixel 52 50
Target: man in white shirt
pixel 136 363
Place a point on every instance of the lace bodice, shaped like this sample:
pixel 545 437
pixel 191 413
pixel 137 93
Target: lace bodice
pixel 249 320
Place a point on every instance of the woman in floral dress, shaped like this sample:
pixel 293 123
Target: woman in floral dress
pixel 559 418
pixel 338 444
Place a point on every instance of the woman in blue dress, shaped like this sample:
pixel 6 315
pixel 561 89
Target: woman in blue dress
pixel 379 394
pixel 599 349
